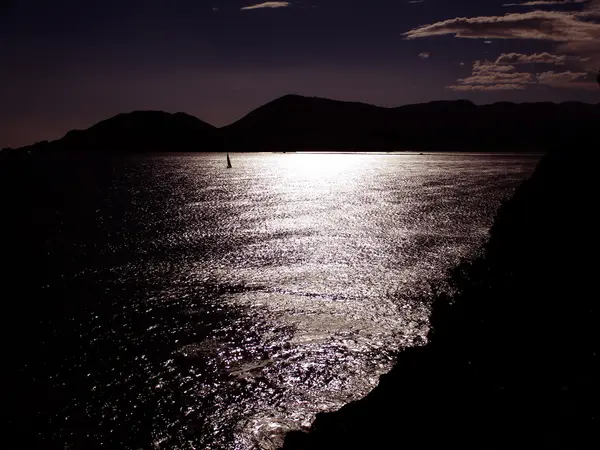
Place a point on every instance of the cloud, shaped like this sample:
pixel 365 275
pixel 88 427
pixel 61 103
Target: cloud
pixel 575 33
pixel 499 75
pixel 492 76
pixel 540 25
pixel 591 9
pixel 562 76
pixel 498 78
pixel 539 58
pixel 588 51
pixel 490 67
pixel 487 87
pixel 489 76
pixel 548 3
pixel 566 80
pixel 535 58
pixel 424 55
pixel 267 5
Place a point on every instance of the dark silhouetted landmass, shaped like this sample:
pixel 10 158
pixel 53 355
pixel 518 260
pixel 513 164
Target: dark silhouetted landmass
pixel 294 122
pixel 513 354
pixel 137 132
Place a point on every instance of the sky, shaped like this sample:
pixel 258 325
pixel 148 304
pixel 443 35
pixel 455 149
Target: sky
pixel 67 64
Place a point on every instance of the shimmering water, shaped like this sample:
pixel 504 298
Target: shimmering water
pixel 178 304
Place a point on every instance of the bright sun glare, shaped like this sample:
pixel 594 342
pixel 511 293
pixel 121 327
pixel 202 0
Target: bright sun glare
pixel 321 166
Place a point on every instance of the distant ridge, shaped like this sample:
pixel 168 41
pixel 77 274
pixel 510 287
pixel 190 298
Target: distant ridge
pixel 295 122
pixel 138 132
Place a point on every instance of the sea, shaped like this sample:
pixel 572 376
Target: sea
pixel 168 302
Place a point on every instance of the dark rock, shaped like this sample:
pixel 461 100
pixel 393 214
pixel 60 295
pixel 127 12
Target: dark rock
pixel 513 355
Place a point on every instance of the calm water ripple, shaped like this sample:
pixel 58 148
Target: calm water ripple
pixel 183 305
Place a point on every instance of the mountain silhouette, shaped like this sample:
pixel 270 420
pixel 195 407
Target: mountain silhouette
pixel 138 132
pixel 295 122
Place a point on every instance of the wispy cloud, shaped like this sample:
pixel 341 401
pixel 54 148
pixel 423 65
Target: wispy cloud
pixel 566 80
pixel 489 76
pixel 498 78
pixel 540 25
pixel 487 87
pixel 575 33
pixel 490 67
pixel 535 58
pixel 498 75
pixel 267 5
pixel 487 73
pixel 424 55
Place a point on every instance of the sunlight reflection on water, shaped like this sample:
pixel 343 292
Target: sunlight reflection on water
pixel 233 305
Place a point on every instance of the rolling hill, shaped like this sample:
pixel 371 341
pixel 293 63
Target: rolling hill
pixel 295 122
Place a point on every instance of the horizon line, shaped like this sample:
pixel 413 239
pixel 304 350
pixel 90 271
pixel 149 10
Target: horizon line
pixel 301 96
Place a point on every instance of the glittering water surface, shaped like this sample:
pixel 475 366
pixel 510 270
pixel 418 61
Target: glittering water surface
pixel 204 307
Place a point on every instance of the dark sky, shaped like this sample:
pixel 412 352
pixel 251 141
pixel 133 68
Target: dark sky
pixel 65 65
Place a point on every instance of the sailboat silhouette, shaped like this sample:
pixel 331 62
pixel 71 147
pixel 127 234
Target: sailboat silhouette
pixel 228 162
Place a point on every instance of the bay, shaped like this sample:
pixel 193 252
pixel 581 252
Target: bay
pixel 169 302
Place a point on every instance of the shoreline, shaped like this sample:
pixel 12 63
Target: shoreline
pixel 512 355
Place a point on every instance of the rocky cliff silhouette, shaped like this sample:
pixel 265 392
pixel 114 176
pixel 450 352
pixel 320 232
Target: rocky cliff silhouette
pixel 294 122
pixel 513 358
